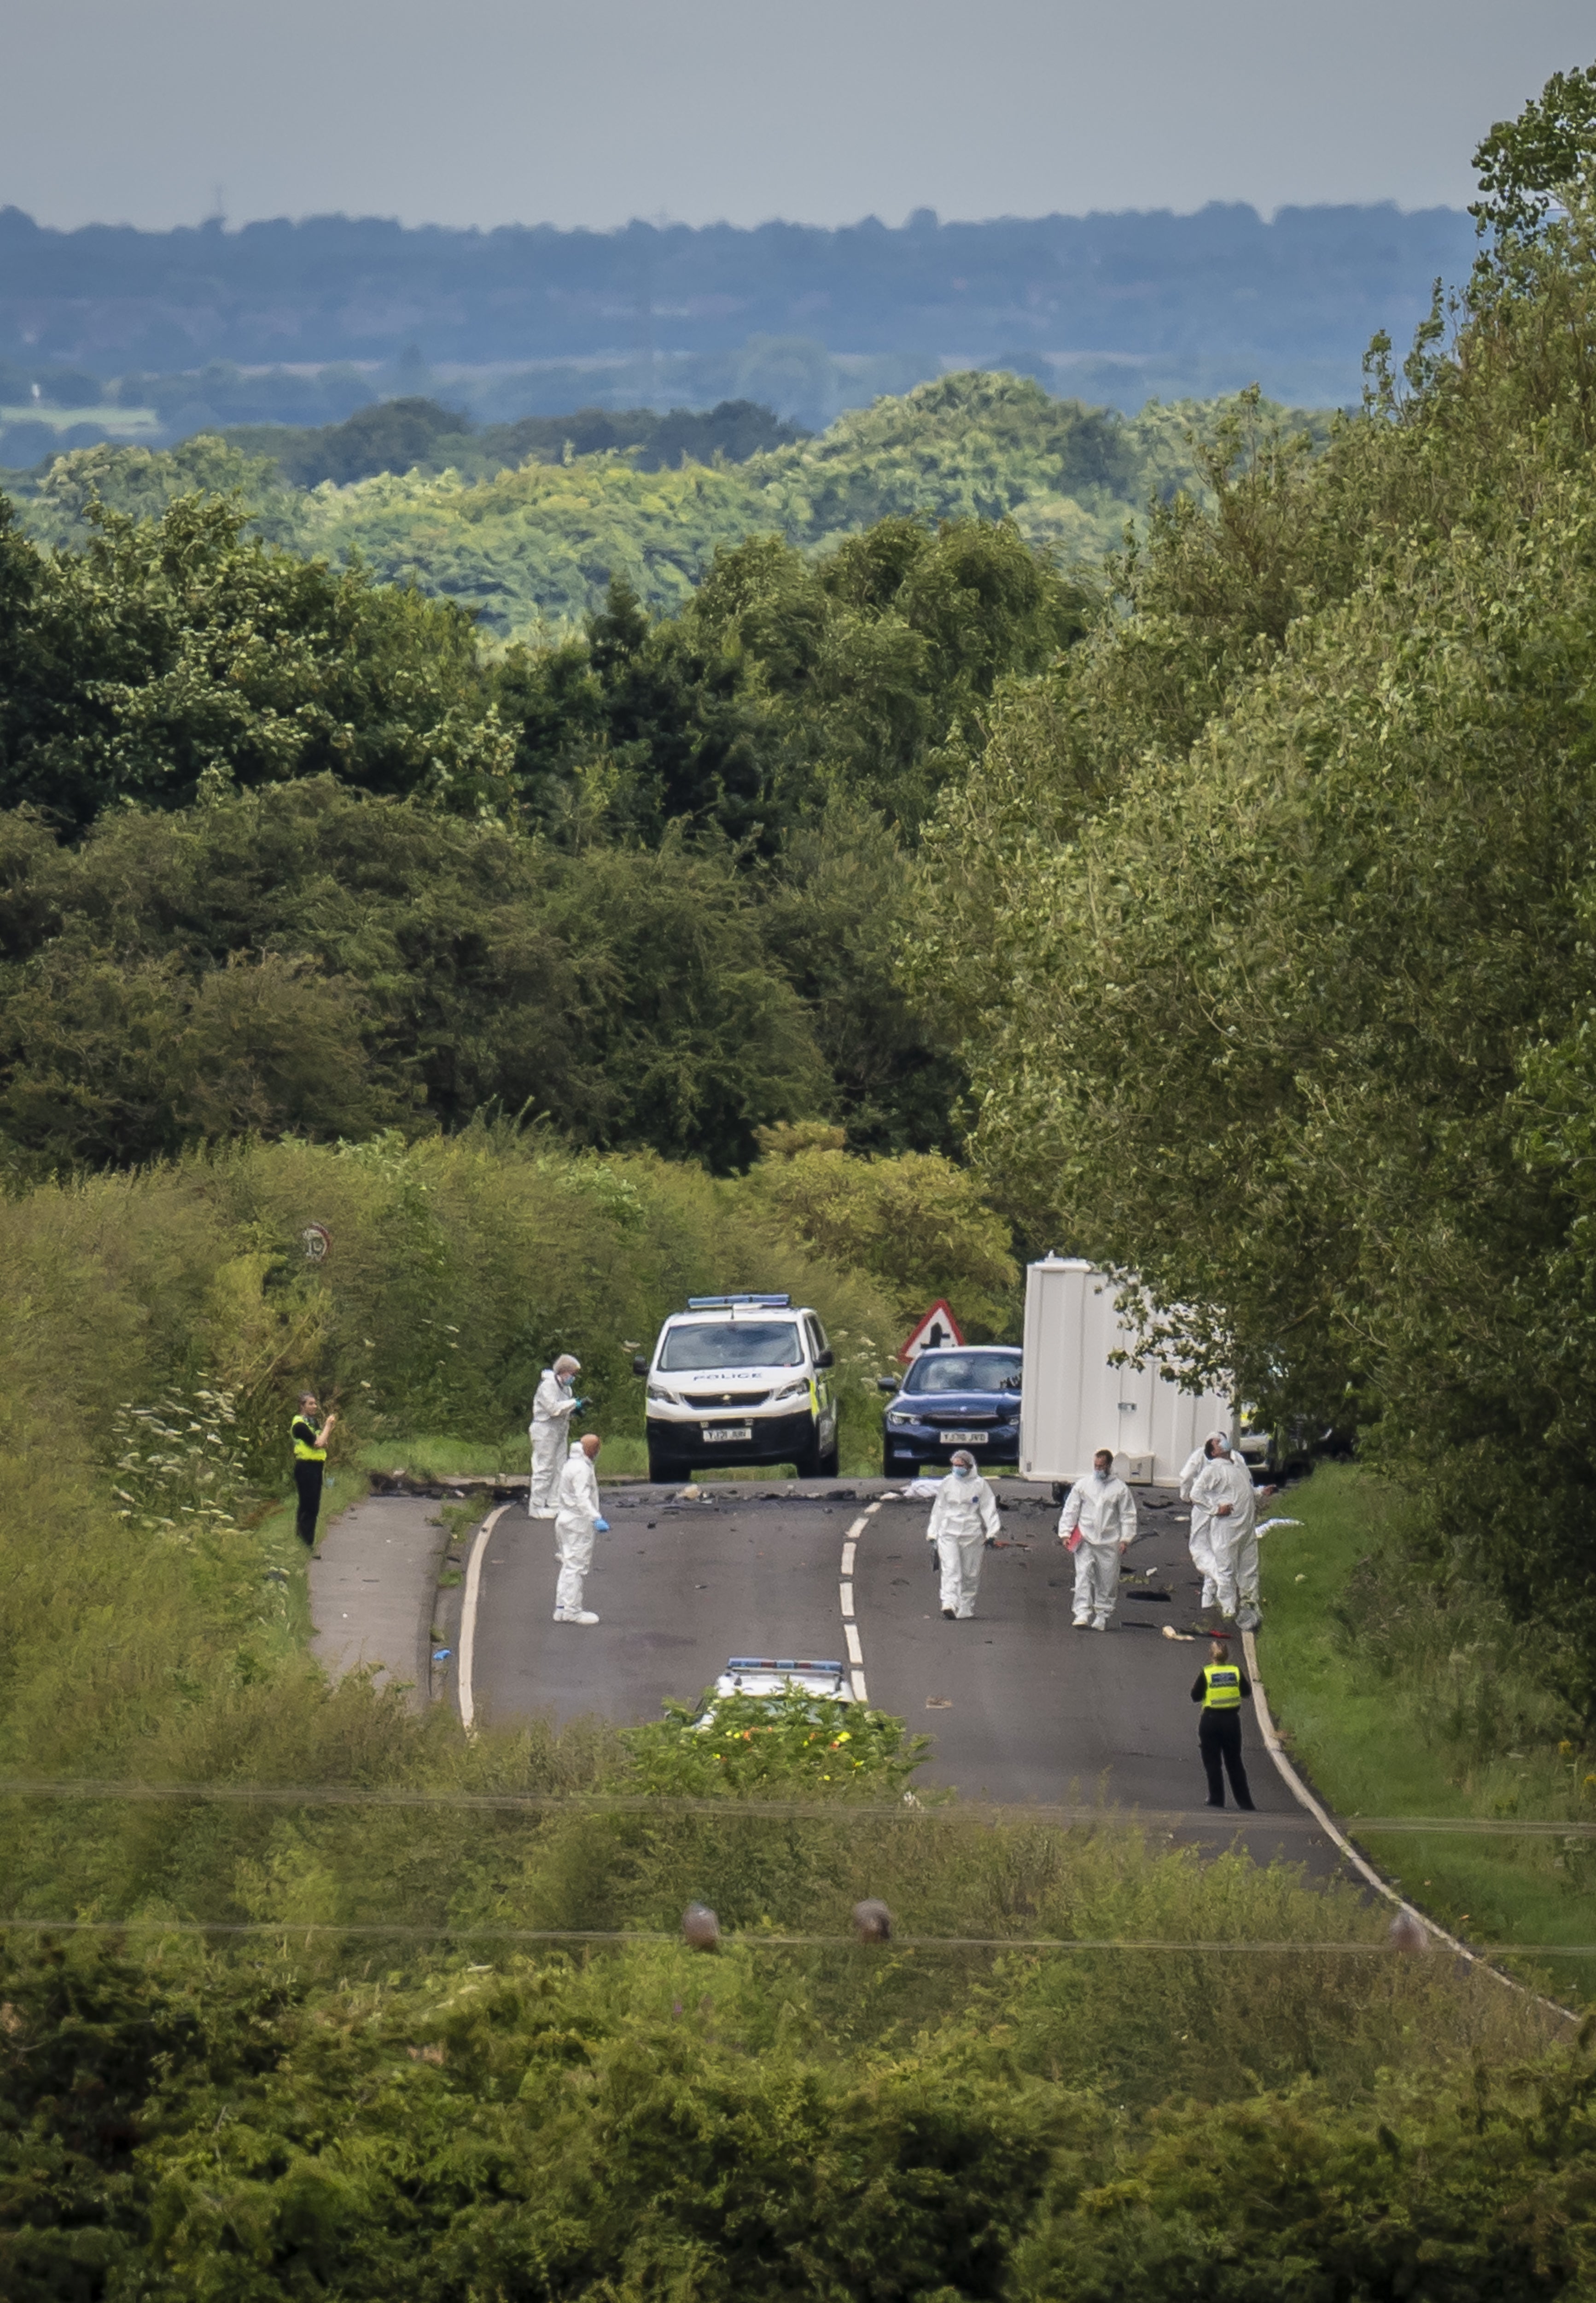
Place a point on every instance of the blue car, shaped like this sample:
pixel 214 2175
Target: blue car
pixel 964 1397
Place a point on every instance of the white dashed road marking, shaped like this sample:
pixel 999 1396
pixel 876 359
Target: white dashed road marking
pixel 846 1598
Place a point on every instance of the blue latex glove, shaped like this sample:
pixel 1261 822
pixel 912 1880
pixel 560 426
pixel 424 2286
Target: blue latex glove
pixel 581 1402
pixel 600 1527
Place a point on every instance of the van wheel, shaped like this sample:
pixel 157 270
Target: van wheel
pixel 806 1461
pixel 831 1462
pixel 665 1472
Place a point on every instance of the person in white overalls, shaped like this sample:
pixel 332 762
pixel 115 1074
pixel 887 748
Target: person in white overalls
pixel 552 1408
pixel 963 1518
pixel 1199 1537
pixel 1097 1524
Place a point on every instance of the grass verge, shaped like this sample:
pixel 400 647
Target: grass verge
pixel 1400 1697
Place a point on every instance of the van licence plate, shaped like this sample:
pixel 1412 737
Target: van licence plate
pixel 966 1438
pixel 713 1431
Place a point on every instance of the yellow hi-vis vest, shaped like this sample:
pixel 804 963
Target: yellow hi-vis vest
pixel 1222 1683
pixel 304 1453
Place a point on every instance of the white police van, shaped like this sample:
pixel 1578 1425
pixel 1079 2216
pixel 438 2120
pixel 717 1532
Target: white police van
pixel 741 1380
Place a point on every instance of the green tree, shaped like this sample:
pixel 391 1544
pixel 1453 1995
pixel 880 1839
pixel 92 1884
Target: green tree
pixel 1264 899
pixel 918 1224
pixel 436 965
pixel 171 651
pixel 831 909
pixel 105 1063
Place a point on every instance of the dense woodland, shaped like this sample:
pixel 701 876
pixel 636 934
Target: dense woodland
pixel 526 535
pixel 673 848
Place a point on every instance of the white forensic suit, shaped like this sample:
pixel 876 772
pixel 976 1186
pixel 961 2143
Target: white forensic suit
pixel 576 1518
pixel 963 1515
pixel 1103 1507
pixel 1199 1537
pixel 553 1405
pixel 1233 1541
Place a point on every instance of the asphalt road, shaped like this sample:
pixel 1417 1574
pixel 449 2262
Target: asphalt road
pixel 1020 1707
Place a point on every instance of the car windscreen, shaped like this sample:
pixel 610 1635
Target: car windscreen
pixel 734 1344
pixel 964 1371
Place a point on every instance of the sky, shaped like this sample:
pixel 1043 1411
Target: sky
pixel 162 112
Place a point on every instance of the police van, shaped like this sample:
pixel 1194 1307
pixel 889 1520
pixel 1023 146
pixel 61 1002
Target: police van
pixel 741 1380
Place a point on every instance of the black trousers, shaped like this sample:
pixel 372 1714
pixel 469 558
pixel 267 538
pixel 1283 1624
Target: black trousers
pixel 1219 1740
pixel 307 1479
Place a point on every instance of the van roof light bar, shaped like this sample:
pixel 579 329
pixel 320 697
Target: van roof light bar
pixel 730 1303
pixel 782 1663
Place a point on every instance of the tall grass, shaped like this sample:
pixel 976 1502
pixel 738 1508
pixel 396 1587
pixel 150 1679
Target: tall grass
pixel 459 1269
pixel 1406 1696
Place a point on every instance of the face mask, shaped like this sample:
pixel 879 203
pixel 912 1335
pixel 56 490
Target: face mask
pixel 963 1471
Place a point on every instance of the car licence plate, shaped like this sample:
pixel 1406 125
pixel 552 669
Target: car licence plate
pixel 713 1431
pixel 967 1439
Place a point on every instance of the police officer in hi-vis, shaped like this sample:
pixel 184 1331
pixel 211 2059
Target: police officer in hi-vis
pixel 310 1460
pixel 1219 1688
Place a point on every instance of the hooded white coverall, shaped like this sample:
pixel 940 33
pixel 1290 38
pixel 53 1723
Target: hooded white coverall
pixel 963 1515
pixel 1234 1541
pixel 553 1405
pixel 1200 1535
pixel 576 1510
pixel 1103 1507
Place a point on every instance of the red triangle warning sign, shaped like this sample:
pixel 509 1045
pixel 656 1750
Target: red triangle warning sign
pixel 933 1333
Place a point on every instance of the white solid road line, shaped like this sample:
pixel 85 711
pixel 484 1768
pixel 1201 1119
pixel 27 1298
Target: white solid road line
pixel 474 1577
pixel 1365 1870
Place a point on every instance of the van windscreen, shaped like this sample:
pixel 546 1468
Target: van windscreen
pixel 732 1344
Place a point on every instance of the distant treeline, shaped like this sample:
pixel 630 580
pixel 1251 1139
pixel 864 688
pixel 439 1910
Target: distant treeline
pixel 523 525
pixel 419 435
pixel 1117 307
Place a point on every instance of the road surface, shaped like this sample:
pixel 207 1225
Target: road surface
pixel 1020 1707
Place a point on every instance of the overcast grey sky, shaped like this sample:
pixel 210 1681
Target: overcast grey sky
pixel 532 110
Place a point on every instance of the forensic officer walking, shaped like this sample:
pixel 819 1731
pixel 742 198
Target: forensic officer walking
pixel 1097 1524
pixel 963 1521
pixel 310 1463
pixel 1219 1687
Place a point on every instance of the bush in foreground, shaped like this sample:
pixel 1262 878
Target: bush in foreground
pixel 668 2123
